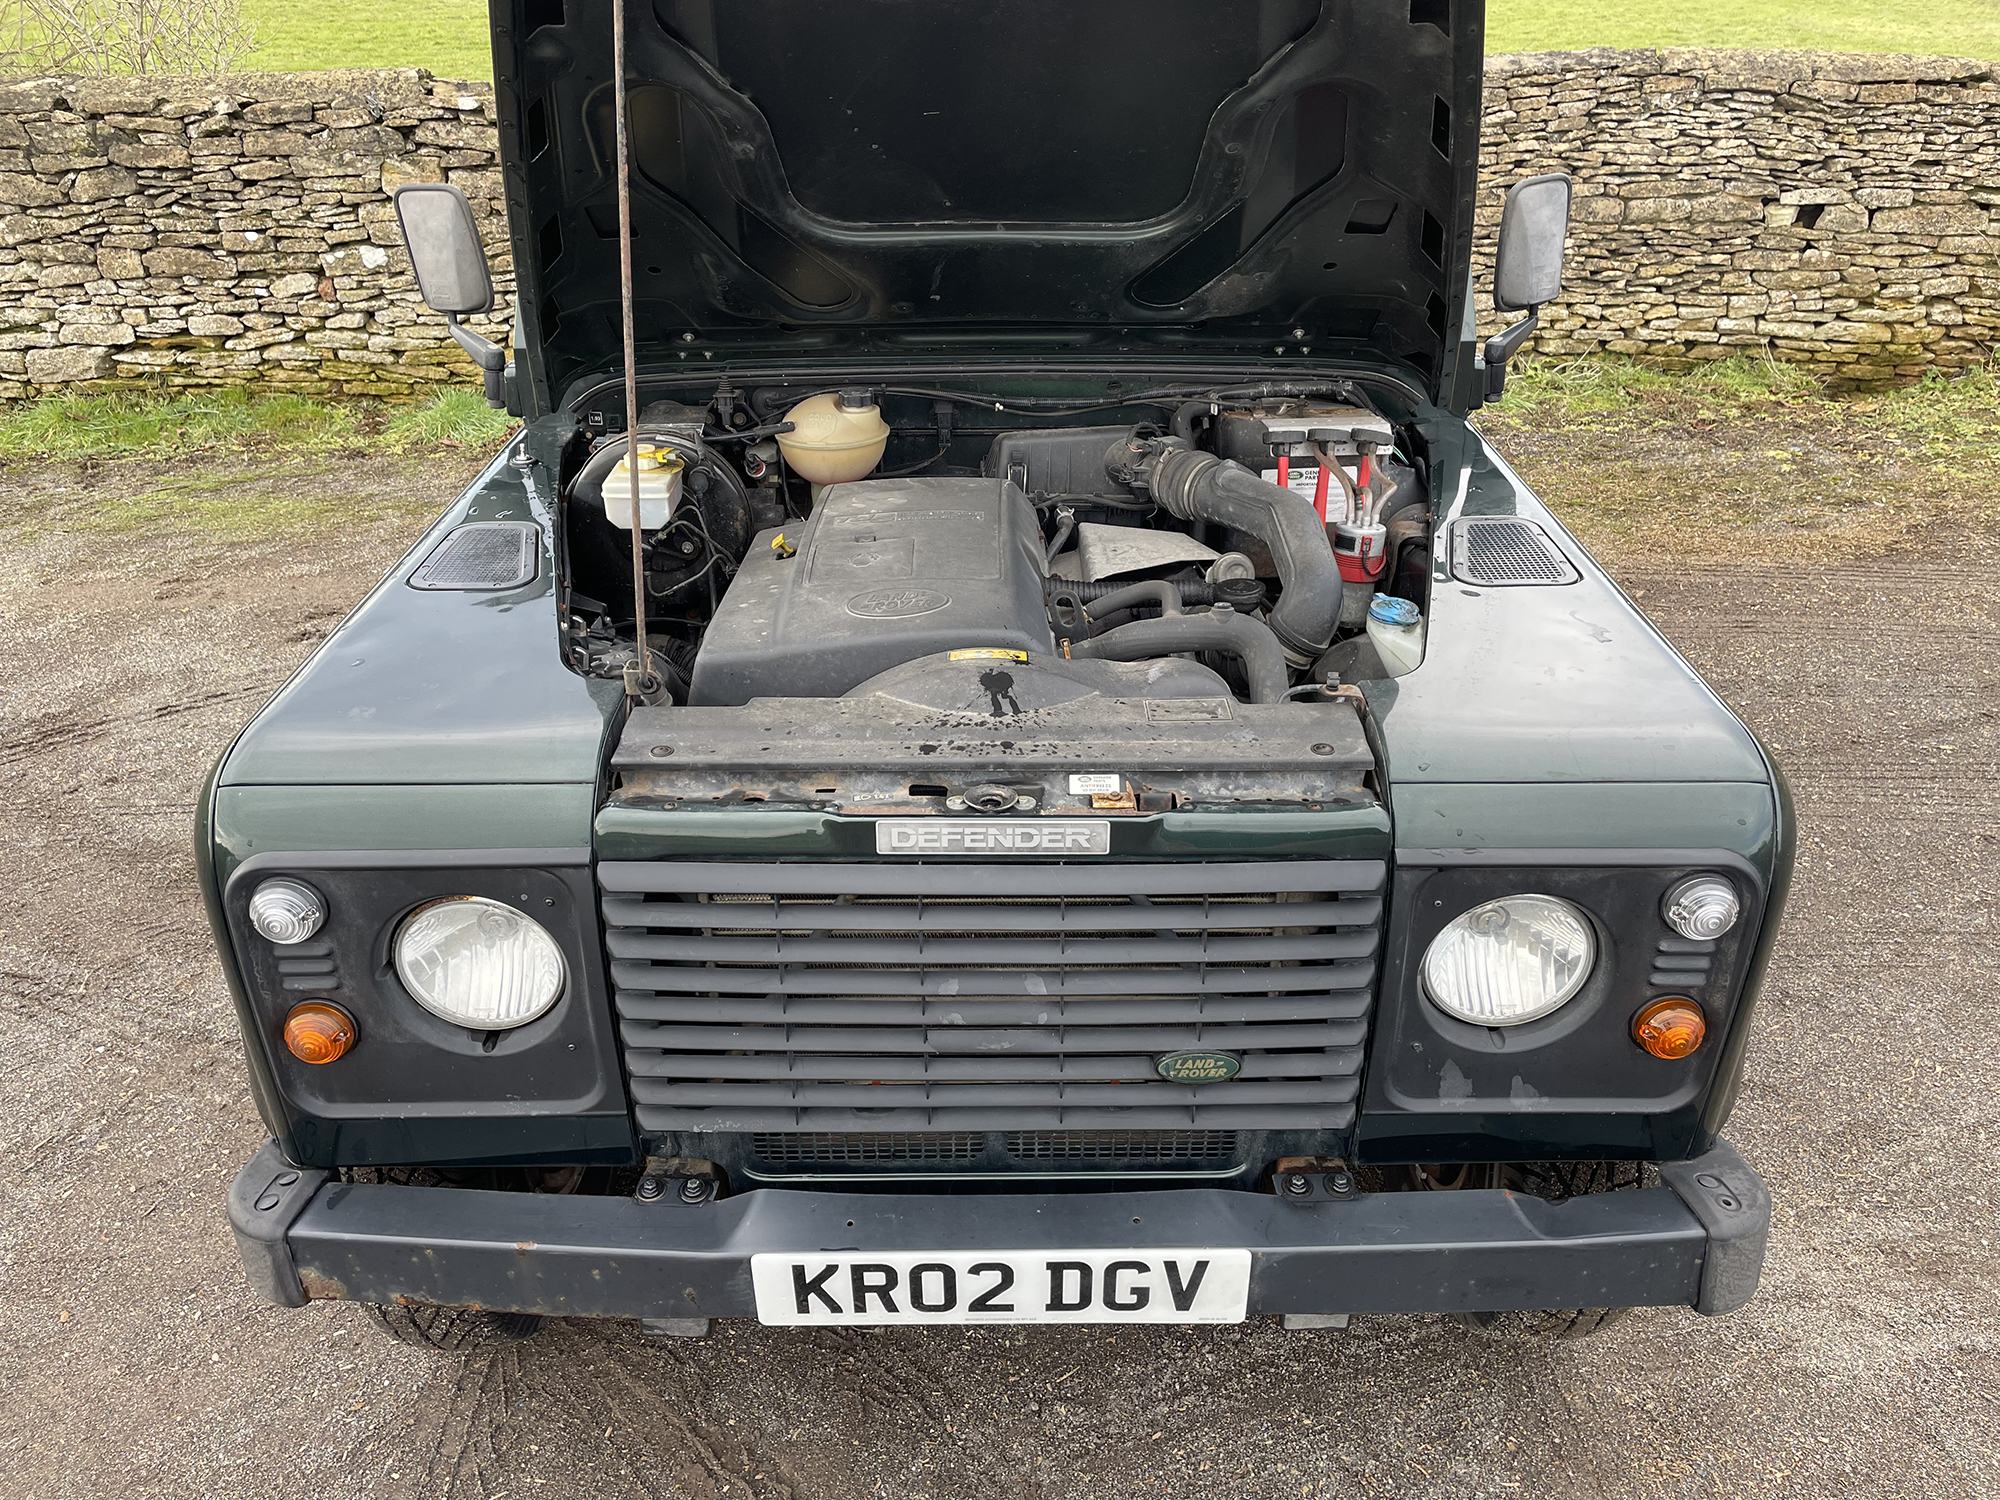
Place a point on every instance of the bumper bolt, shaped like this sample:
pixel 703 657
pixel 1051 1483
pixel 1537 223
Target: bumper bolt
pixel 694 1190
pixel 649 1189
pixel 1338 1181
pixel 1298 1185
pixel 1322 749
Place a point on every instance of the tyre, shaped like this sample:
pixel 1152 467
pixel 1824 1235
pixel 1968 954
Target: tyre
pixel 452 1330
pixel 1535 1326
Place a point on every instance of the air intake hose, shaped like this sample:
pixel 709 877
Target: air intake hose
pixel 1250 641
pixel 1200 487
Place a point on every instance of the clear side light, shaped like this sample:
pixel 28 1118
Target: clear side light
pixel 287 911
pixel 1704 907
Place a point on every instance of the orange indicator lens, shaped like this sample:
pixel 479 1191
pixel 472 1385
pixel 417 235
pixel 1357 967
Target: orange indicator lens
pixel 1671 1028
pixel 319 1033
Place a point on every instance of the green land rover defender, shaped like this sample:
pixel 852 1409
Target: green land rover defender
pixel 996 749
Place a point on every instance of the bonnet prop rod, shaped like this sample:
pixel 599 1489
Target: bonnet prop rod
pixel 642 683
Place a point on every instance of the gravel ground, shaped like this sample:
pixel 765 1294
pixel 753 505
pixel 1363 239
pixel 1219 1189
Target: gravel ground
pixel 135 1363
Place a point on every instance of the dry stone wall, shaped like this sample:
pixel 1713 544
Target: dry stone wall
pixel 200 233
pixel 1836 210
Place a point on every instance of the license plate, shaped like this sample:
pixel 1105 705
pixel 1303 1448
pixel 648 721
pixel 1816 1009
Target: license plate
pixel 1008 1286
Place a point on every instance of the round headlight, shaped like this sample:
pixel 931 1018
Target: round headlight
pixel 287 911
pixel 1510 961
pixel 479 963
pixel 1704 907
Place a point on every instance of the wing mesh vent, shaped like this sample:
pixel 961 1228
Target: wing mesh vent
pixel 482 555
pixel 1506 552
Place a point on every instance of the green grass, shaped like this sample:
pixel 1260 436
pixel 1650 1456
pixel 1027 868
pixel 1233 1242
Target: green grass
pixel 225 466
pixel 457 415
pixel 1937 419
pixel 451 39
pixel 450 36
pixel 252 505
pixel 1966 28
pixel 75 427
pixel 1750 457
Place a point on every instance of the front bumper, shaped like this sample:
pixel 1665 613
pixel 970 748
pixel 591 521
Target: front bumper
pixel 1697 1241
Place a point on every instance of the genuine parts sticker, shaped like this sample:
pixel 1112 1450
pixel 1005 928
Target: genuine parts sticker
pixel 1000 836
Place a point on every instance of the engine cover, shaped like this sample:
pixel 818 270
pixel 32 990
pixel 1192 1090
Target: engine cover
pixel 887 570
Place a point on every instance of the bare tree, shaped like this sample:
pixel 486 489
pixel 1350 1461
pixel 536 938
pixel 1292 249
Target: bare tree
pixel 123 36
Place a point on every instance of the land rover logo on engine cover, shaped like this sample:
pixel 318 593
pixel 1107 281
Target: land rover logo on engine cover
pixel 1198 1067
pixel 993 836
pixel 897 604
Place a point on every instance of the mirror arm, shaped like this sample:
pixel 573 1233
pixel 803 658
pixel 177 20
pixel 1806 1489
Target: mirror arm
pixel 490 358
pixel 1502 347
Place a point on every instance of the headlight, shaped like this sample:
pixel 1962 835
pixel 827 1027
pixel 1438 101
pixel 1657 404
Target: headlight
pixel 479 963
pixel 1510 961
pixel 287 911
pixel 1704 907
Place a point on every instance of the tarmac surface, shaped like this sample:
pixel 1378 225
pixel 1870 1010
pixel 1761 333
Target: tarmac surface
pixel 134 1361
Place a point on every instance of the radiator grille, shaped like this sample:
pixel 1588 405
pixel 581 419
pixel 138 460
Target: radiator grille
pixel 1500 551
pixel 918 1147
pixel 1121 1145
pixel 868 1146
pixel 957 997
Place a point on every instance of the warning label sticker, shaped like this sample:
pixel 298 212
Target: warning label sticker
pixel 1083 786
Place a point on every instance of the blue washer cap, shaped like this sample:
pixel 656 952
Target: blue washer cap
pixel 1393 611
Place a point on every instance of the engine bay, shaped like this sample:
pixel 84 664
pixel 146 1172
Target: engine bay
pixel 912 600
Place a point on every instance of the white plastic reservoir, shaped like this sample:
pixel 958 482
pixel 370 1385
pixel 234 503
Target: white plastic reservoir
pixel 1397 629
pixel 659 489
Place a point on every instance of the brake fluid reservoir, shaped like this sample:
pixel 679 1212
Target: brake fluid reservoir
pixel 1397 630
pixel 659 488
pixel 835 437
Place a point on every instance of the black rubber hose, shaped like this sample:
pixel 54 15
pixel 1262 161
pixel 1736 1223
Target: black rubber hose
pixel 1191 591
pixel 1062 535
pixel 1198 487
pixel 1250 641
pixel 1156 590
pixel 1181 425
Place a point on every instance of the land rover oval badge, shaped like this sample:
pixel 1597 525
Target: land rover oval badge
pixel 1198 1066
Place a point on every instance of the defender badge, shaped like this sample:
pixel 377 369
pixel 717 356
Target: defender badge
pixel 1198 1067
pixel 1063 836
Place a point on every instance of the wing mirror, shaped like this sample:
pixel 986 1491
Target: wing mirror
pixel 1527 271
pixel 452 274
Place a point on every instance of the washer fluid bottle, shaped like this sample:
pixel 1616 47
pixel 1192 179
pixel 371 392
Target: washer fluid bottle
pixel 1397 630
pixel 659 488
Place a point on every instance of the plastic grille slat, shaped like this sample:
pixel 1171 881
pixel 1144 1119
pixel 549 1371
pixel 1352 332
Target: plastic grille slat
pixel 949 998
